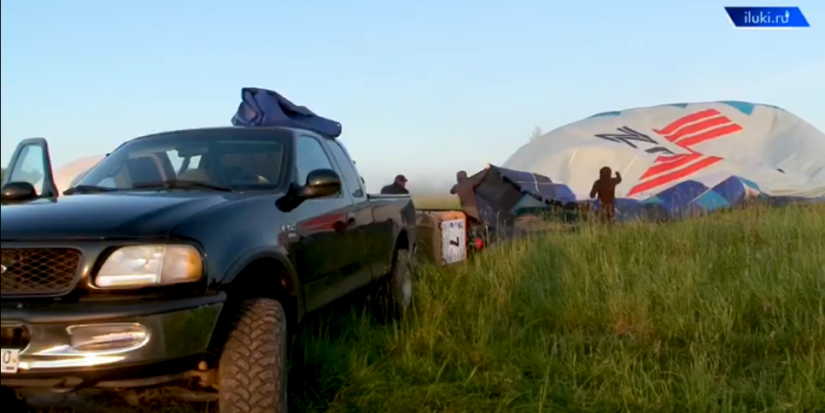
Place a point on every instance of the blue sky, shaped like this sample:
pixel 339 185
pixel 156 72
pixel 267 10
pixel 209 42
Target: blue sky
pixel 421 87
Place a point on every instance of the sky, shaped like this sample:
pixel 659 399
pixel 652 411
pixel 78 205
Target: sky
pixel 422 88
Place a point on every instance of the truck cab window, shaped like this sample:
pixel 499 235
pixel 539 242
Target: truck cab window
pixel 310 156
pixel 351 178
pixel 183 164
pixel 238 159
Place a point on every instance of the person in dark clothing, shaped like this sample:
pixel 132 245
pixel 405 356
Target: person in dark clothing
pixel 465 189
pixel 605 189
pixel 398 187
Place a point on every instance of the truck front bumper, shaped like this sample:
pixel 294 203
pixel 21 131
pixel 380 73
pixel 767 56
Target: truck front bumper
pixel 79 342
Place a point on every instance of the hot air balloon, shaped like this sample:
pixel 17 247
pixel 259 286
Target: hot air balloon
pixel 685 158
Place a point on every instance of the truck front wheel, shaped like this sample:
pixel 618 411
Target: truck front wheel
pixel 252 368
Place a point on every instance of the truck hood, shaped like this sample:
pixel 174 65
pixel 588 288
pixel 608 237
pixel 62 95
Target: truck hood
pixel 111 215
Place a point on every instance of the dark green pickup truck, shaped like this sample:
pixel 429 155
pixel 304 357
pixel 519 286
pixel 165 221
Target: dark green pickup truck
pixel 179 261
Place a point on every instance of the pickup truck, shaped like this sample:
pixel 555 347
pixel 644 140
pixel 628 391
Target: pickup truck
pixel 182 258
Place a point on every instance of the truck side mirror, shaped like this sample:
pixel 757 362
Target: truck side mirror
pixel 321 183
pixel 18 192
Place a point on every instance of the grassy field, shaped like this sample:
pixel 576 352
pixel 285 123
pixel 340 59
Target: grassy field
pixel 719 314
pixel 436 202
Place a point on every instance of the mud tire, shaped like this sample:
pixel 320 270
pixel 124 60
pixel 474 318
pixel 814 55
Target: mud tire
pixel 252 368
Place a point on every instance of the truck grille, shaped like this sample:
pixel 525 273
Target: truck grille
pixel 38 271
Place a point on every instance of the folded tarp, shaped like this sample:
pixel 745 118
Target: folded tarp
pixel 539 186
pixel 261 107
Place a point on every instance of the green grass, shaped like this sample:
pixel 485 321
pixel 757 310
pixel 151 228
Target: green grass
pixel 718 314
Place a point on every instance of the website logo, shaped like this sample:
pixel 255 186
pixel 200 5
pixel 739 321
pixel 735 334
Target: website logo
pixel 767 17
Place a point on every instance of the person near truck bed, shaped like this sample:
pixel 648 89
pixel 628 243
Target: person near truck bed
pixel 398 187
pixel 465 189
pixel 605 189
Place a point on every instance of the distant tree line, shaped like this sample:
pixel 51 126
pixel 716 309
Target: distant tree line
pixel 24 176
pixel 537 132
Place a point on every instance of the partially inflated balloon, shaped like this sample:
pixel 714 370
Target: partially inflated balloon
pixel 722 151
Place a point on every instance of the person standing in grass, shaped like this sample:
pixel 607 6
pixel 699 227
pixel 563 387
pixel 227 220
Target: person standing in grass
pixel 605 189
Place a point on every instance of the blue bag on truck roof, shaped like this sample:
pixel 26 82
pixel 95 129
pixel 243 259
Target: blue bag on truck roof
pixel 261 107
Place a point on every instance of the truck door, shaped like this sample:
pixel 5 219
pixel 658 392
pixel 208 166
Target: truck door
pixel 29 175
pixel 326 256
pixel 363 227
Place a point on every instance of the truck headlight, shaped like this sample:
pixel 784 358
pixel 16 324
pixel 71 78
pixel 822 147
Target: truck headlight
pixel 150 265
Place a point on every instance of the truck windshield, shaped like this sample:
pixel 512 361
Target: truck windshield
pixel 207 159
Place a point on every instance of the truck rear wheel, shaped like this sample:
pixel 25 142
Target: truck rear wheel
pixel 252 368
pixel 393 295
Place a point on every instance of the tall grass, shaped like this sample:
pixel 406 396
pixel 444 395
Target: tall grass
pixel 719 314
pixel 725 313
